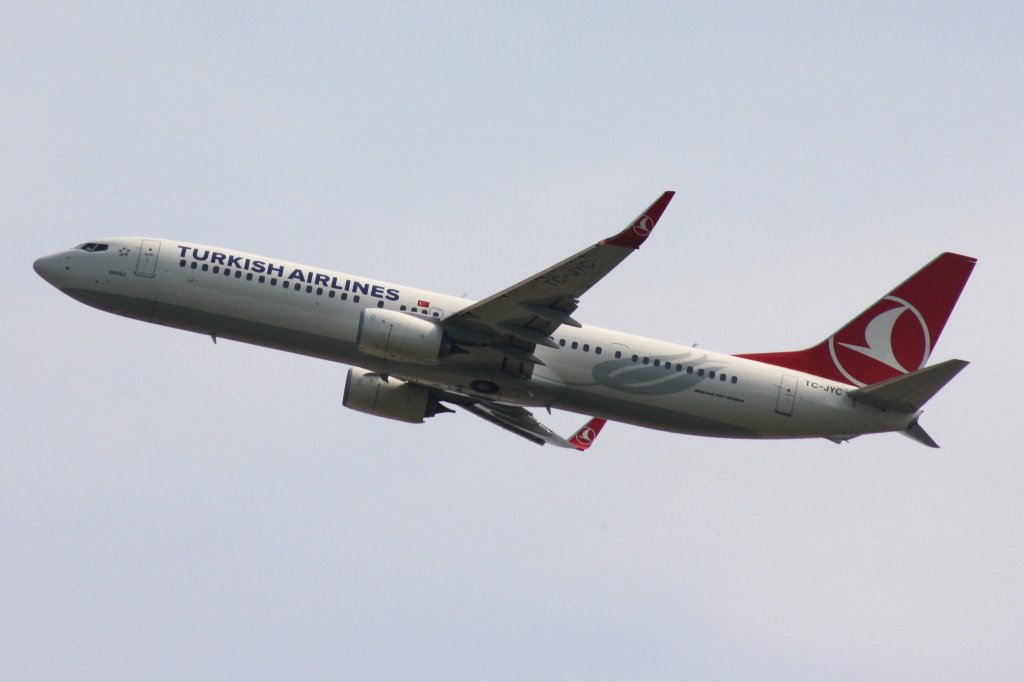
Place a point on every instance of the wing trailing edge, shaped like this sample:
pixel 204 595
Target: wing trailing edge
pixel 520 421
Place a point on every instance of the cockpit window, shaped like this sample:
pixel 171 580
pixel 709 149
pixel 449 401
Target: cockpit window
pixel 92 247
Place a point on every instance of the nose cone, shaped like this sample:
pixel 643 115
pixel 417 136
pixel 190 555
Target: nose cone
pixel 48 267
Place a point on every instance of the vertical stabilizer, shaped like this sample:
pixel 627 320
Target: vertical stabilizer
pixel 894 336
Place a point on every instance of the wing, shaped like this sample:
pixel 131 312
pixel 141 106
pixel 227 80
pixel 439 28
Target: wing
pixel 521 422
pixel 515 321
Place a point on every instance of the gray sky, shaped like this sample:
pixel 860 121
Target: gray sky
pixel 171 509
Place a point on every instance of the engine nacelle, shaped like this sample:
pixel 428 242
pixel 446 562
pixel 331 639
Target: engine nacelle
pixel 396 336
pixel 368 392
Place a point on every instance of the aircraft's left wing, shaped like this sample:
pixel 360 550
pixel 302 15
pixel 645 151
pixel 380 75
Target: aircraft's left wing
pixel 515 321
pixel 521 422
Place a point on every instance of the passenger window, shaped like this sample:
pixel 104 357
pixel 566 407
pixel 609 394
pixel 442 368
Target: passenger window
pixel 216 269
pixel 689 370
pixel 238 274
pixel 227 272
pixel 194 265
pixel 309 288
pixel 618 354
pixel 636 358
pixel 586 348
pixel 206 266
pixel 733 380
pixel 330 294
pixel 273 281
pixel 248 277
pixel 597 351
pixel 700 372
pixel 657 363
pixel 561 342
pixel 182 263
pixel 319 291
pixel 711 374
pixel 262 279
pixel 401 307
pixel 647 361
pixel 355 299
pixel 575 345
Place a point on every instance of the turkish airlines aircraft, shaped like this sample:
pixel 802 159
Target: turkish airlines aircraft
pixel 416 351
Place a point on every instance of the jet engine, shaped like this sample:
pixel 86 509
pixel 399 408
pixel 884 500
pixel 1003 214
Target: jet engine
pixel 394 335
pixel 370 393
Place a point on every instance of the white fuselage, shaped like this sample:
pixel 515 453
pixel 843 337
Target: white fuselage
pixel 594 371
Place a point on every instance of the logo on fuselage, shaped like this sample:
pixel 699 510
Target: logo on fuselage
pixel 889 339
pixel 642 378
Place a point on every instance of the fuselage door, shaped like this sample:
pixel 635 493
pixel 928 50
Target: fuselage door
pixel 787 395
pixel 146 267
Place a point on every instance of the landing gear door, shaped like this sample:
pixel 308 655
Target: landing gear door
pixel 787 395
pixel 150 251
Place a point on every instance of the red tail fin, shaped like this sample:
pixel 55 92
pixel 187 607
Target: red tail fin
pixel 894 336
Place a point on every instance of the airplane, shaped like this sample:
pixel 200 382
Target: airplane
pixel 416 353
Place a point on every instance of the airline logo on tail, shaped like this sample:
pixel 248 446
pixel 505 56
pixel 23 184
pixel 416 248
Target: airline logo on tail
pixel 892 333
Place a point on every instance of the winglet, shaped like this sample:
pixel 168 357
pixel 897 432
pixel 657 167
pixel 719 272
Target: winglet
pixel 586 436
pixel 638 231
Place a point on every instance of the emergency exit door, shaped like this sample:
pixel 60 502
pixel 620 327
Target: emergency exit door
pixel 787 395
pixel 146 267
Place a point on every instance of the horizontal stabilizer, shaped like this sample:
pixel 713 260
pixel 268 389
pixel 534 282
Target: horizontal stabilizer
pixel 909 392
pixel 915 432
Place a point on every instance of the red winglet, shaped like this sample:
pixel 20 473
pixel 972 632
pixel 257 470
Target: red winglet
pixel 638 231
pixel 586 436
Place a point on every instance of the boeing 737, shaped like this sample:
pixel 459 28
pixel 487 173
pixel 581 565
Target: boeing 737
pixel 416 353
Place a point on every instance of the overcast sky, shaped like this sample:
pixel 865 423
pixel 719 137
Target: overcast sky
pixel 174 509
